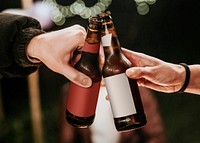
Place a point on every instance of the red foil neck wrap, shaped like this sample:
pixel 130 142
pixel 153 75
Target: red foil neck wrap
pixel 92 48
pixel 82 101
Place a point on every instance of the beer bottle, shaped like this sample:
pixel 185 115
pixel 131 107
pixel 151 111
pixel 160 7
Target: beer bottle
pixel 81 103
pixel 123 93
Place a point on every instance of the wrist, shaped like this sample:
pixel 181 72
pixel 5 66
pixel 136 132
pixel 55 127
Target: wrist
pixel 22 44
pixel 31 51
pixel 184 77
pixel 194 86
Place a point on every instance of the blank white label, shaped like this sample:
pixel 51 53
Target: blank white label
pixel 106 40
pixel 120 95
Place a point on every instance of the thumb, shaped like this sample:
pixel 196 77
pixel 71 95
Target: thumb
pixel 135 72
pixel 77 77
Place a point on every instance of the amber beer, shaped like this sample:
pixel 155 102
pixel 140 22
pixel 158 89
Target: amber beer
pixel 123 92
pixel 81 103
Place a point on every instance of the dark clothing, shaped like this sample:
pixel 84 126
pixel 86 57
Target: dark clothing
pixel 16 31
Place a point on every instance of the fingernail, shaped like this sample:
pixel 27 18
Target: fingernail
pixel 129 71
pixel 86 82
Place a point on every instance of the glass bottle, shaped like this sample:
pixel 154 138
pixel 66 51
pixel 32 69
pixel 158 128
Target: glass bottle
pixel 81 102
pixel 123 92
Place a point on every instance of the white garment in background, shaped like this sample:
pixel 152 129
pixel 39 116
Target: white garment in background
pixel 103 129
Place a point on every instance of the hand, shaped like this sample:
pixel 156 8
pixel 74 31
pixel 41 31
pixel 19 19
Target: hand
pixel 154 73
pixel 57 51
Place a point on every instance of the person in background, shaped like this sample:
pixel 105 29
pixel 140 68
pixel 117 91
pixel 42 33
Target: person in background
pixel 25 46
pixel 162 76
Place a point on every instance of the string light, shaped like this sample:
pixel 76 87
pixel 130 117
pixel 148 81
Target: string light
pixel 143 6
pixel 59 12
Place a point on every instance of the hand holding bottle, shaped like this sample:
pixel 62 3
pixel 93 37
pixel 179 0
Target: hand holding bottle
pixel 56 50
pixel 162 76
pixel 154 73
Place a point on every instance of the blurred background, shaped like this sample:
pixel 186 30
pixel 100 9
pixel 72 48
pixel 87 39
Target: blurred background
pixel 168 30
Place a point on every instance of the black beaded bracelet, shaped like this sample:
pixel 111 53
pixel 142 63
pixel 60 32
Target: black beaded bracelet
pixel 187 77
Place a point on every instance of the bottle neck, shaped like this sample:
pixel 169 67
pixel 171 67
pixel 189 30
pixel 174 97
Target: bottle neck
pixel 93 38
pixel 91 47
pixel 110 51
pixel 110 44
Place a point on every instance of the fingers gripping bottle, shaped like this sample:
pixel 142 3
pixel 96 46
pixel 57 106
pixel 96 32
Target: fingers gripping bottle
pixel 81 103
pixel 123 92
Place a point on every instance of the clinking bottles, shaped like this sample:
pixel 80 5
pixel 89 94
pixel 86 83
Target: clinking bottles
pixel 82 102
pixel 123 92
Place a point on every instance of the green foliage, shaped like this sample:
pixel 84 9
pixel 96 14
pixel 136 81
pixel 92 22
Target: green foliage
pixel 180 113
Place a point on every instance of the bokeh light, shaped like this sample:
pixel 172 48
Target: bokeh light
pixel 143 6
pixel 60 12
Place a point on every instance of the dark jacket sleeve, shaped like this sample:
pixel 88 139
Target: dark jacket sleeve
pixel 16 31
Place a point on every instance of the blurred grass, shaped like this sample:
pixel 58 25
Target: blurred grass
pixel 16 130
pixel 180 113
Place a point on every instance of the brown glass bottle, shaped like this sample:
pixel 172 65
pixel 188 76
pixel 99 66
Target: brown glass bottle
pixel 81 103
pixel 123 92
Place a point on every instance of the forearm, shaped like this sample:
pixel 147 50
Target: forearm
pixel 194 83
